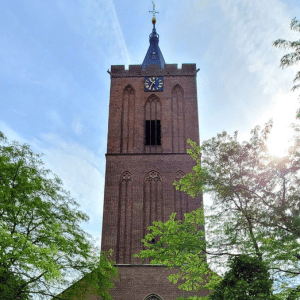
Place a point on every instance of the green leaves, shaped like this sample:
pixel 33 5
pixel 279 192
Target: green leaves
pixel 247 279
pixel 11 286
pixel 181 245
pixel 295 25
pixel 40 236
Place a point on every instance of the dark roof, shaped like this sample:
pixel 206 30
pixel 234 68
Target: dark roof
pixel 154 55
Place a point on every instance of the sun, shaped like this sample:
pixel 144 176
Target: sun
pixel 279 141
pixel 282 111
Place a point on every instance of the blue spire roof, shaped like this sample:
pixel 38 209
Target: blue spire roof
pixel 154 55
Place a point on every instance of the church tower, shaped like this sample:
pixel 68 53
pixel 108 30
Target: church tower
pixel 152 112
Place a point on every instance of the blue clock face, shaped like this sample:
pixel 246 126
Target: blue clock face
pixel 154 84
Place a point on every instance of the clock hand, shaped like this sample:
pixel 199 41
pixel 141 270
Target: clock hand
pixel 149 81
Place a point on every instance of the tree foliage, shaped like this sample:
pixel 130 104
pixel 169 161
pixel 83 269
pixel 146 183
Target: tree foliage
pixel 11 286
pixel 255 197
pixel 248 278
pixel 255 208
pixel 41 242
pixel 179 246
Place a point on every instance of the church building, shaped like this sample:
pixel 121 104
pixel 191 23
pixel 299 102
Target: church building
pixel 152 112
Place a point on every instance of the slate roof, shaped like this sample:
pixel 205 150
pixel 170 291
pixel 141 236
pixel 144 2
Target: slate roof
pixel 154 55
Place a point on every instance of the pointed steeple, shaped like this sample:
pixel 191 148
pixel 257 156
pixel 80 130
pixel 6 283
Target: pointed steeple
pixel 154 55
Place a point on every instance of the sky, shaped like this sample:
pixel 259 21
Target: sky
pixel 54 85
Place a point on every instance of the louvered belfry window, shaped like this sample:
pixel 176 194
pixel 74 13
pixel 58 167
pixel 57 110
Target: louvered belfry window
pixel 152 132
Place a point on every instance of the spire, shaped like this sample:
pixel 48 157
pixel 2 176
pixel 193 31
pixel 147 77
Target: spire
pixel 154 55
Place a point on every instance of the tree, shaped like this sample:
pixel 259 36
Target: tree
pixel 180 245
pixel 248 278
pixel 293 57
pixel 255 207
pixel 11 286
pixel 255 197
pixel 41 242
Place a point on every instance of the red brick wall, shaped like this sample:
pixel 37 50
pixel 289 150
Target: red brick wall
pixel 127 109
pixel 136 282
pixel 137 207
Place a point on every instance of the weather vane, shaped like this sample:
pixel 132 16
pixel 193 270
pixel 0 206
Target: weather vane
pixel 153 11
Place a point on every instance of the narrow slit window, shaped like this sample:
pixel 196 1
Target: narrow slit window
pixel 152 132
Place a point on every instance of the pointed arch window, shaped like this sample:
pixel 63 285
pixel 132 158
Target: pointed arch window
pixel 153 297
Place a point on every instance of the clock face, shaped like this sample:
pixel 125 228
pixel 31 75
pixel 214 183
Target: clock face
pixel 154 84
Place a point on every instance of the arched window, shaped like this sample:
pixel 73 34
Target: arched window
pixel 153 297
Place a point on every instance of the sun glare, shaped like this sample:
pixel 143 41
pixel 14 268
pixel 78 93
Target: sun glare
pixel 282 111
pixel 279 141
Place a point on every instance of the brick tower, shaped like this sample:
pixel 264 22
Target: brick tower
pixel 152 113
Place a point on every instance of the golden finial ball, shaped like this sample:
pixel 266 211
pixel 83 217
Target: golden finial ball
pixel 153 20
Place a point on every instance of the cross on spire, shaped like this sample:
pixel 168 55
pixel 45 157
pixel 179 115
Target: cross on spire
pixel 153 11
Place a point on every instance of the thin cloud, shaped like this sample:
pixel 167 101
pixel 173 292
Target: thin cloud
pixel 77 126
pixel 255 25
pixel 120 32
pixel 99 22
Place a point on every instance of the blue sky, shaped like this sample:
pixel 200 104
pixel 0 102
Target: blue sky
pixel 54 85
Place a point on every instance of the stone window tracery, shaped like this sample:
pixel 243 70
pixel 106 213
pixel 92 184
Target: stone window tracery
pixel 126 176
pixel 153 297
pixel 153 176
